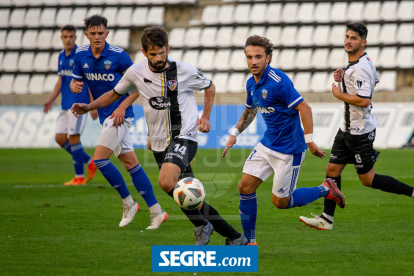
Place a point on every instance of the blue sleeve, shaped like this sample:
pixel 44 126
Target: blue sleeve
pixel 249 100
pixel 59 66
pixel 124 62
pixel 77 72
pixel 288 94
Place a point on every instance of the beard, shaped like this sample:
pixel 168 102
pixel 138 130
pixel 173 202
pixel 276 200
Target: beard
pixel 352 50
pixel 158 65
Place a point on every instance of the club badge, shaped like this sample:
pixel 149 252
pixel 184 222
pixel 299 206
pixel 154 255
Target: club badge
pixel 172 84
pixel 107 64
pixel 264 93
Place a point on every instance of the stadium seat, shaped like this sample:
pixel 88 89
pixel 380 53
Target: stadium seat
pixel 53 62
pixel 14 39
pixel 302 81
pixel 387 57
pixel 224 36
pixel 56 40
pixel 288 36
pixel 225 15
pixel 242 13
pixel 405 10
pixel 273 33
pixel 109 38
pixel 257 30
pixel 7 3
pixel 305 36
pixel 17 18
pixel 322 12
pixel 44 39
pixel 3 35
pixel 209 15
pixel 320 58
pixel 388 34
pixel 372 11
pixel 208 37
pixel 275 56
pixel 321 35
pixel 20 84
pixel 176 54
pixel 235 83
pixel 318 82
pixel 257 13
pixel 93 11
pixel 47 19
pixel 338 12
pixel 41 62
pixel 1 60
pixel 405 33
pixel 19 3
pixel 205 60
pixel 35 2
pixel 36 84
pixel 337 58
pixel 6 83
pixel 32 18
pixel 139 16
pixel 49 83
pixel 373 54
pixel 192 37
pixel 63 16
pixel 176 37
pixel 405 57
pixel 373 33
pixel 222 59
pixel 389 10
pixel 355 11
pixel 10 61
pixel 303 59
pixel 240 36
pixel 337 35
pixel 4 18
pixel 155 16
pixel 25 62
pixel 273 14
pixel 29 37
pixel 191 57
pixel 220 81
pixel 121 38
pixel 96 2
pixel 50 2
pixel 123 18
pixel 110 14
pixel 289 12
pixel 77 17
pixel 287 59
pixel 388 81
pixel 305 13
pixel 80 37
pixel 238 60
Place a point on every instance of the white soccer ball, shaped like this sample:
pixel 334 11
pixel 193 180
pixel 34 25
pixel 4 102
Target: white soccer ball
pixel 189 193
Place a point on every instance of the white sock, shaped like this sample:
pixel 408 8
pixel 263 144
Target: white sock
pixel 128 200
pixel 89 162
pixel 412 194
pixel 328 217
pixel 155 209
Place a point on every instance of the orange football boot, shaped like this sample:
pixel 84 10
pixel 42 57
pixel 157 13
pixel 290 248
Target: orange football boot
pixel 91 172
pixel 77 181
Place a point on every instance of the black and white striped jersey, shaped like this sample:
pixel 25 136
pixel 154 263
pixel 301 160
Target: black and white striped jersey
pixel 359 79
pixel 167 99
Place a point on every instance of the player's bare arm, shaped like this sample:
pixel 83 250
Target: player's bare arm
pixel 245 120
pixel 305 112
pixel 203 122
pixel 350 99
pixel 104 100
pixel 56 91
pixel 119 113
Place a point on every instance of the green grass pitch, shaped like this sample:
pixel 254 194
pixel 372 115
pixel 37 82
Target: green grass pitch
pixel 49 229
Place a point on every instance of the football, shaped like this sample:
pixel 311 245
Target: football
pixel 189 193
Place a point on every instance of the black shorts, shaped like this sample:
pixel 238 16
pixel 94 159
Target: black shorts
pixel 179 152
pixel 355 149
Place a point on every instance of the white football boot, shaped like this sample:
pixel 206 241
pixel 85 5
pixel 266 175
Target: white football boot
pixel 128 214
pixel 157 219
pixel 317 222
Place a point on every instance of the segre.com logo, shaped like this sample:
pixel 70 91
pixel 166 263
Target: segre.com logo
pixel 186 258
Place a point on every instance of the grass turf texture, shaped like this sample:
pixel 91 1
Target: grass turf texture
pixel 49 229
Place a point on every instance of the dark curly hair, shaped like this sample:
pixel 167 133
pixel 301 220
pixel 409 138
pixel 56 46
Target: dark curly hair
pixel 154 36
pixel 95 20
pixel 359 28
pixel 256 40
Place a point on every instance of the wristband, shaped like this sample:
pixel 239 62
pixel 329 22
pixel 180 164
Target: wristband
pixel 235 132
pixel 308 138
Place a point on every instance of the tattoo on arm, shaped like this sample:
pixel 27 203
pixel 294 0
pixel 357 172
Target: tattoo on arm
pixel 246 118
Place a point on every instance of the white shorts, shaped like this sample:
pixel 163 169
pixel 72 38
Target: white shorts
pixel 116 139
pixel 262 162
pixel 67 123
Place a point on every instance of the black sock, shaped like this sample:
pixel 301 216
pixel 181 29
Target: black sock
pixel 389 184
pixel 330 205
pixel 220 225
pixel 193 215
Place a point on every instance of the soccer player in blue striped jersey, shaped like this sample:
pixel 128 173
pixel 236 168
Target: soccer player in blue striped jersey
pixel 101 66
pixel 68 127
pixel 282 148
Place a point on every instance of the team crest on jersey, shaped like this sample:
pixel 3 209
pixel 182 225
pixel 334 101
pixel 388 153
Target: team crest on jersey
pixel 107 64
pixel 172 84
pixel 71 61
pixel 264 93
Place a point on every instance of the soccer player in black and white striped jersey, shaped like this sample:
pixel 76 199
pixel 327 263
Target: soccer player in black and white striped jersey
pixel 354 141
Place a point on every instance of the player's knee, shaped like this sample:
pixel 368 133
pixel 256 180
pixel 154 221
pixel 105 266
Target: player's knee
pixel 280 203
pixel 61 140
pixel 366 182
pixel 165 183
pixel 245 189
